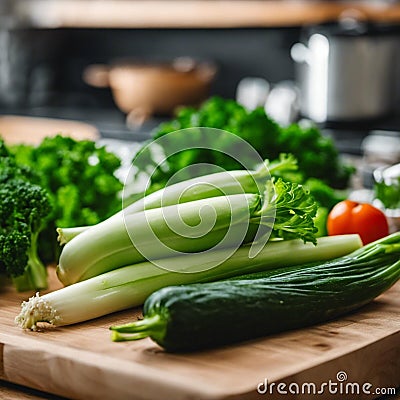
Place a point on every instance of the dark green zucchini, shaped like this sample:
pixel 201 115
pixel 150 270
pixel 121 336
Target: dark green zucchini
pixel 197 316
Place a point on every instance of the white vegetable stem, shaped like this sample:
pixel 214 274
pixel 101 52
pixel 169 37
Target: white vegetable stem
pixel 211 185
pixel 67 234
pixel 157 233
pixel 129 286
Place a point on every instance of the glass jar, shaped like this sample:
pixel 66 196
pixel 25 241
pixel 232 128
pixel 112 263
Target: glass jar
pixel 387 192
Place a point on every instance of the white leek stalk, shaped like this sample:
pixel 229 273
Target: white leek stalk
pixel 211 185
pixel 157 233
pixel 129 286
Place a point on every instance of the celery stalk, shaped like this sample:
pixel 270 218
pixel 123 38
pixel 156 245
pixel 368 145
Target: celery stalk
pixel 285 211
pixel 157 233
pixel 129 286
pixel 212 185
pixel 65 235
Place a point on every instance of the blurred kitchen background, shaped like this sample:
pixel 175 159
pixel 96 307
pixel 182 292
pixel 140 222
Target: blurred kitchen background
pixel 333 62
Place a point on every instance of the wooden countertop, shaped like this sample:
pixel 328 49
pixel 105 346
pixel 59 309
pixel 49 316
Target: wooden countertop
pixel 364 344
pixel 196 13
pixel 10 391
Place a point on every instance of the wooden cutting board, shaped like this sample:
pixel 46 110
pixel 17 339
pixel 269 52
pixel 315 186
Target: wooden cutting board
pixel 81 362
pixel 16 129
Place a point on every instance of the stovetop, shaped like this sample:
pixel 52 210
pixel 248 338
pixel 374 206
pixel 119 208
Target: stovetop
pixel 349 136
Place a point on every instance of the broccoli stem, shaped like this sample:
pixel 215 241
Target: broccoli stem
pixel 23 282
pixel 35 275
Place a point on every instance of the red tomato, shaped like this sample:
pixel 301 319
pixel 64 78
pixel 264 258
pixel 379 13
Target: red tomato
pixel 351 217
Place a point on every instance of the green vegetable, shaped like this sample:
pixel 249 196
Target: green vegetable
pixel 156 233
pixel 192 317
pixel 324 195
pixel 316 154
pixel 287 210
pixel 24 209
pixel 320 221
pixel 79 177
pixel 389 195
pixel 387 188
pixel 129 286
pixel 217 184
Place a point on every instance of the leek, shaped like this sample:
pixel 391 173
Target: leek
pixel 212 185
pixel 157 233
pixel 129 286
pixel 286 211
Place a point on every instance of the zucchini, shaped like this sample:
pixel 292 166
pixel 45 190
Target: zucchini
pixel 197 316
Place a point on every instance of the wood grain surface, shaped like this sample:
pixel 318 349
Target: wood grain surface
pixel 11 391
pixel 81 362
pixel 198 13
pixel 16 129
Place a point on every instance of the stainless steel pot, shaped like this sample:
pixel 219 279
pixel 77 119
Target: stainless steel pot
pixel 347 72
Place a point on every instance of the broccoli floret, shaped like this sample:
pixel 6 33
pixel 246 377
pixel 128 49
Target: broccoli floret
pixel 79 177
pixel 24 208
pixel 325 195
pixel 316 154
